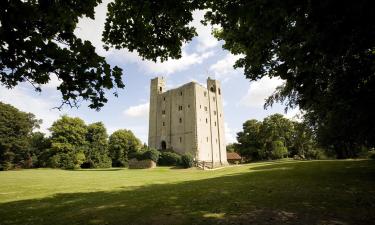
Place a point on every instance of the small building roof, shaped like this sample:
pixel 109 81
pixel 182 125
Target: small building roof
pixel 233 156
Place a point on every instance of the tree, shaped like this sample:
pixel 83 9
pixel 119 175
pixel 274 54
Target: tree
pixel 249 144
pixel 15 130
pixel 39 146
pixel 97 151
pixel 274 138
pixel 68 142
pixel 122 143
pixel 37 41
pixel 323 50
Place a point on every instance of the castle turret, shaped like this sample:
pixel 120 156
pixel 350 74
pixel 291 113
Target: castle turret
pixel 157 87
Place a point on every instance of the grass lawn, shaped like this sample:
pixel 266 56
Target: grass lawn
pixel 281 192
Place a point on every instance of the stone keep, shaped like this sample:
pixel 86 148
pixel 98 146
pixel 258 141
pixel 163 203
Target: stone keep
pixel 189 118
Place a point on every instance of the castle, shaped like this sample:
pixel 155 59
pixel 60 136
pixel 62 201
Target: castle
pixel 188 119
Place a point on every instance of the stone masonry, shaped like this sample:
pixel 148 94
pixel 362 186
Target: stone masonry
pixel 190 119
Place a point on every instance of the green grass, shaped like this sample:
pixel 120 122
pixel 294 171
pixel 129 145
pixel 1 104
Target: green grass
pixel 283 192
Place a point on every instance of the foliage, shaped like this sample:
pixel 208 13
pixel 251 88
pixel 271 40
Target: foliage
pixel 122 143
pixel 187 160
pixel 37 43
pixel 15 130
pixel 152 154
pixel 68 142
pixel 169 159
pixel 231 147
pixel 323 51
pixel 39 149
pixel 96 153
pixel 275 137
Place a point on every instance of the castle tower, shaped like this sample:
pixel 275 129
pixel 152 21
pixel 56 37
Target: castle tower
pixel 156 88
pixel 188 119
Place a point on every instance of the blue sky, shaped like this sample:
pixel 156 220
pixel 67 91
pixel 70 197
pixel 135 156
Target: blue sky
pixel 202 57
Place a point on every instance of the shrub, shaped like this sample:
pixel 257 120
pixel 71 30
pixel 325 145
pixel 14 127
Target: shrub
pixel 315 154
pixel 169 159
pixel 152 154
pixel 187 160
pixel 371 154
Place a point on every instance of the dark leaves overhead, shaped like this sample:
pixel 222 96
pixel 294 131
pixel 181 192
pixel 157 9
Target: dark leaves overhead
pixel 37 40
pixel 156 29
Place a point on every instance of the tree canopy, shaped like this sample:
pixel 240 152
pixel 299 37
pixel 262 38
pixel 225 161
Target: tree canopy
pixel 275 137
pixel 123 143
pixel 15 130
pixel 37 41
pixel 323 50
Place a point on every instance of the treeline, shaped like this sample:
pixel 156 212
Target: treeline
pixel 277 137
pixel 72 144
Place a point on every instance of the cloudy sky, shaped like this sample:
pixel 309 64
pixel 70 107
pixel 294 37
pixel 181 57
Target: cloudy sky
pixel 201 58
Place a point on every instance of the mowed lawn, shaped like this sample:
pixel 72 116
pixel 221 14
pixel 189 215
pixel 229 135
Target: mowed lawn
pixel 281 192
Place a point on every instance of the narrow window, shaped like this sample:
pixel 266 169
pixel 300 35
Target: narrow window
pixel 188 106
pixel 200 106
pixel 161 89
pixel 163 112
pixel 180 139
pixel 212 89
pixel 206 120
pixel 219 91
pixel 215 124
pixel 215 112
pixel 181 93
pixel 205 94
pixel 205 108
pixel 179 107
pixel 180 120
pixel 164 99
pixel 163 124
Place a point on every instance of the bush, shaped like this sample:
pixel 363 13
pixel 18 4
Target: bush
pixel 371 154
pixel 152 154
pixel 169 159
pixel 187 160
pixel 315 154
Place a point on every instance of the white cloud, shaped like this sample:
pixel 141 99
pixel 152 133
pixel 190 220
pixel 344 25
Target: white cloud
pixel 140 110
pixel 259 91
pixel 229 134
pixel 92 30
pixel 223 69
pixel 41 106
pixel 175 65
pixel 205 39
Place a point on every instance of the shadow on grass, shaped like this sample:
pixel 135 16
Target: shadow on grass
pixel 300 194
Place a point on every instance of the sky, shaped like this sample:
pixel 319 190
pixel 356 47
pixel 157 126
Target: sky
pixel 202 57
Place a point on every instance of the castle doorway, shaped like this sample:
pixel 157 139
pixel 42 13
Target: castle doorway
pixel 163 145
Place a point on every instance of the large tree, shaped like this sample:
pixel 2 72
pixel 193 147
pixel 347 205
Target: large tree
pixel 123 143
pixel 15 130
pixel 37 41
pixel 323 50
pixel 68 142
pixel 97 151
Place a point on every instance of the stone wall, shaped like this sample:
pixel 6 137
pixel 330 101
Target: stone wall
pixel 142 164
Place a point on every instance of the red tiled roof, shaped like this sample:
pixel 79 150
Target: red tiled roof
pixel 233 155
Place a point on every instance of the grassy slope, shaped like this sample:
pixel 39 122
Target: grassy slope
pixel 286 192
